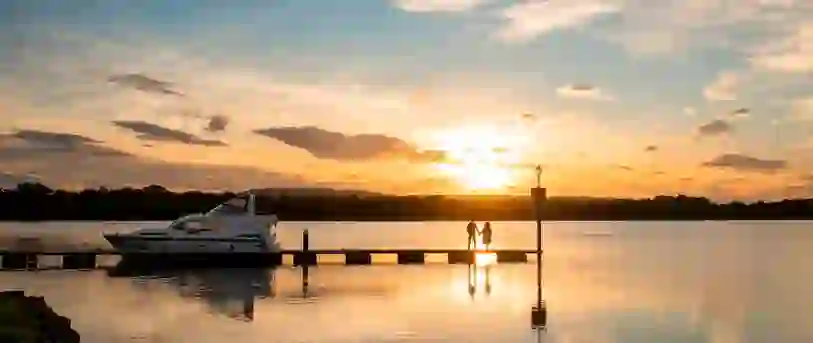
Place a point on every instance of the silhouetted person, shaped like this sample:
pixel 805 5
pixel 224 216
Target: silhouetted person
pixel 471 230
pixel 487 235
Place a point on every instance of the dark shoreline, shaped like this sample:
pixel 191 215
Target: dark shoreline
pixel 30 319
pixel 36 203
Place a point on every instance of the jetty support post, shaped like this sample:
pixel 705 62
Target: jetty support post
pixel 358 257
pixel 83 260
pixel 19 261
pixel 539 312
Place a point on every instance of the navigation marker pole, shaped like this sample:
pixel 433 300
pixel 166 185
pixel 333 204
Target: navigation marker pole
pixel 539 313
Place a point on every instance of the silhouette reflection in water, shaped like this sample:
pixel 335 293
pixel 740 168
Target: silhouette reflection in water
pixel 230 292
pixel 475 280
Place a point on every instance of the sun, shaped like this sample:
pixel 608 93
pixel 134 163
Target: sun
pixel 481 158
pixel 475 177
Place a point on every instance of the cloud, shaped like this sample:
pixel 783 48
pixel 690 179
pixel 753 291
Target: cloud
pixel 53 139
pixel 72 160
pixel 723 88
pixel 11 180
pixel 798 190
pixel 437 5
pixel 740 113
pixel 21 143
pixel 745 163
pixel 217 123
pixel 338 146
pixel 214 123
pixel 529 19
pixel 672 27
pixel 645 42
pixel 651 148
pixel 690 111
pixel 802 109
pixel 624 167
pixel 715 127
pixel 792 54
pixel 582 91
pixel 144 83
pixel 152 132
pixel 222 86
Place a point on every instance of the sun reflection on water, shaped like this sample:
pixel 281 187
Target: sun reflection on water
pixel 485 258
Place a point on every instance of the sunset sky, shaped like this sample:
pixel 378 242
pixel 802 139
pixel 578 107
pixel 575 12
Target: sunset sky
pixel 623 98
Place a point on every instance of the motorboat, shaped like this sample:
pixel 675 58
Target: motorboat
pixel 232 226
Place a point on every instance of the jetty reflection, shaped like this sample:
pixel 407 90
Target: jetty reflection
pixel 234 292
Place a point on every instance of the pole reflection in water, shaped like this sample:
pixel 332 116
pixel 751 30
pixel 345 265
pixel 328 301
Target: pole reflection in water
pixel 538 324
pixel 305 281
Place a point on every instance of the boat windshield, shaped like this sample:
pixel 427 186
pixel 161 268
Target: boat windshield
pixel 232 207
pixel 188 224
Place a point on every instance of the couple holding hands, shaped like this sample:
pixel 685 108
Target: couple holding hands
pixel 472 229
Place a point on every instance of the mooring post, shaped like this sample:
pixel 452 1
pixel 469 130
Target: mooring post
pixel 305 257
pixel 307 261
pixel 31 261
pixel 305 244
pixel 538 196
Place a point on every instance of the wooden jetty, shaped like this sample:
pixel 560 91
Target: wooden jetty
pixel 29 260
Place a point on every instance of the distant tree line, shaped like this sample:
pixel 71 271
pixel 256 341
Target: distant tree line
pixel 34 201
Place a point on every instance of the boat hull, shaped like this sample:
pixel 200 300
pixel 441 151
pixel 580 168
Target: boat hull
pixel 169 245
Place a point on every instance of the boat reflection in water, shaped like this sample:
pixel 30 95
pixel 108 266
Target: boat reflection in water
pixel 229 292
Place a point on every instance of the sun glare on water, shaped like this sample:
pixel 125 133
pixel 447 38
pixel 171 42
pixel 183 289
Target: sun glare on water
pixel 481 159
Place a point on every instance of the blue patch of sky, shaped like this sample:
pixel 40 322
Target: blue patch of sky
pixel 387 46
pixel 369 35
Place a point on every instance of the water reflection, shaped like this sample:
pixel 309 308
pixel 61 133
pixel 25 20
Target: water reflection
pixel 663 282
pixel 230 292
pixel 479 276
pixel 306 294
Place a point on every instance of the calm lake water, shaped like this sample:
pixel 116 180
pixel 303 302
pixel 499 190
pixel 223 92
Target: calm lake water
pixel 717 282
